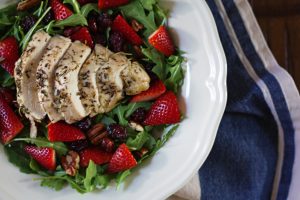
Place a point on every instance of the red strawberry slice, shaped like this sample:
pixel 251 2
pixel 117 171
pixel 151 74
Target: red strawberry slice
pixel 120 25
pixel 62 132
pixel 59 10
pixel 10 124
pixel 84 36
pixel 95 154
pixel 44 156
pixel 121 160
pixel 164 110
pixel 104 4
pixel 9 54
pixel 161 40
pixel 156 89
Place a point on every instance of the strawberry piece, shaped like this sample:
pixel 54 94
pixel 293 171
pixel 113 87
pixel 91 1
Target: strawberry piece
pixel 10 124
pixel 157 88
pixel 95 154
pixel 161 40
pixel 104 4
pixel 164 110
pixel 44 156
pixel 84 36
pixel 121 160
pixel 9 52
pixel 120 25
pixel 59 10
pixel 62 132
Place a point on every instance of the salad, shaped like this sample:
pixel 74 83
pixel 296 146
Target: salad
pixel 88 89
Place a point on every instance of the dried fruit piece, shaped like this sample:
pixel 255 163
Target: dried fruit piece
pixel 117 132
pixel 78 145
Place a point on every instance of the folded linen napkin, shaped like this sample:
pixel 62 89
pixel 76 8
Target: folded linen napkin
pixel 256 154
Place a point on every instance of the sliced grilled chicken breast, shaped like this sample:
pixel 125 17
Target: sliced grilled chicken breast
pixel 56 49
pixel 25 76
pixel 67 97
pixel 136 79
pixel 109 82
pixel 87 79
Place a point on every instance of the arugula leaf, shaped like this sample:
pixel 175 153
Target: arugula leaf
pixel 167 134
pixel 36 168
pixel 158 59
pixel 103 180
pixel 136 10
pixel 121 177
pixel 138 142
pixel 27 37
pixel 148 4
pixel 16 156
pixel 56 27
pixel 107 120
pixel 134 106
pixel 6 80
pixel 7 15
pixel 75 5
pixel 54 183
pixel 59 147
pixel 175 73
pixel 151 142
pixel 91 173
pixel 87 8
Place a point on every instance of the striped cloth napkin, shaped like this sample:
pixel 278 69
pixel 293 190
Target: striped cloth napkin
pixel 256 155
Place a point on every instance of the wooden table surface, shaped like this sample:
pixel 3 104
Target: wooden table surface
pixel 280 23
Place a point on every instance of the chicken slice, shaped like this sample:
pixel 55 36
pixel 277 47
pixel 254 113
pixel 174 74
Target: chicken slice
pixel 136 79
pixel 25 76
pixel 109 82
pixel 67 96
pixel 87 78
pixel 56 49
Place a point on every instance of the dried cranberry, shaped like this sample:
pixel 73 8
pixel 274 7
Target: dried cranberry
pixel 117 132
pixel 84 124
pixel 71 30
pixel 78 145
pixel 148 68
pixel 104 20
pixel 116 42
pixel 107 145
pixel 28 22
pixel 139 115
pixel 100 39
pixel 48 18
pixel 93 24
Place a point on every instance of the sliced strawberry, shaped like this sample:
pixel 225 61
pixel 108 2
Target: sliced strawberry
pixel 9 54
pixel 44 156
pixel 120 25
pixel 95 154
pixel 104 4
pixel 60 10
pixel 164 110
pixel 161 40
pixel 62 132
pixel 10 124
pixel 121 160
pixel 8 94
pixel 84 36
pixel 156 89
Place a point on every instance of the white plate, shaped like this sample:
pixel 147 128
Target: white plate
pixel 205 95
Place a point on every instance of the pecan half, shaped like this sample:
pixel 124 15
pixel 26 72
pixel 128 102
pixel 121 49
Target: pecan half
pixel 136 25
pixel 97 133
pixel 70 163
pixel 27 4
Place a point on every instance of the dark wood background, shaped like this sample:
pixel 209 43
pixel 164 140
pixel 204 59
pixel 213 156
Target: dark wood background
pixel 280 23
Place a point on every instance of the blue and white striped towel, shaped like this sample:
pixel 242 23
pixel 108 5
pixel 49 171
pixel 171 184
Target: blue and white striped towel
pixel 256 155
